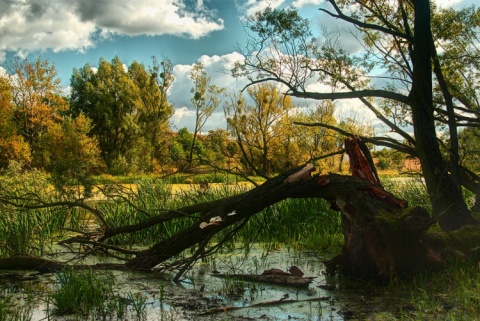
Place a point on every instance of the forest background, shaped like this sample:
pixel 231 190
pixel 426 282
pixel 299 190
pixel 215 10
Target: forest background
pixel 117 121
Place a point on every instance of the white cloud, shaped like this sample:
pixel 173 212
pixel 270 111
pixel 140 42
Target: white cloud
pixel 252 6
pixel 31 25
pixel 447 3
pixel 304 3
pixel 182 117
pixel 150 17
pixel 217 68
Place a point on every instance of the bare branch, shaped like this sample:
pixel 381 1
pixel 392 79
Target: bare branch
pixel 340 15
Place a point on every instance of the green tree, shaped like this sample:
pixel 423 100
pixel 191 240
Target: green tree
pixel 206 98
pixel 315 142
pixel 389 159
pixel 155 110
pixel 469 143
pixel 401 39
pixel 73 156
pixel 112 100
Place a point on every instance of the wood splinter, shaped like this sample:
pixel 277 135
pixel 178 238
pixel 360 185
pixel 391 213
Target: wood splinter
pixel 302 175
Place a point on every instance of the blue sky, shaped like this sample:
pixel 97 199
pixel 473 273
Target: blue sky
pixel 72 33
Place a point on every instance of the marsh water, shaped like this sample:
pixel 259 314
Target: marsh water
pixel 201 295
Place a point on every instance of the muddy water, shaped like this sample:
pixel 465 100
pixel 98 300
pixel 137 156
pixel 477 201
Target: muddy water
pixel 200 292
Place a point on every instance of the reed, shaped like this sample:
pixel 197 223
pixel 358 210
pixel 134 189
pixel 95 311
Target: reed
pixel 93 296
pixel 80 292
pixel 11 312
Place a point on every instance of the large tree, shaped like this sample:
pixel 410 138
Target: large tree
pixel 401 40
pixel 12 146
pixel 127 106
pixel 109 97
pixel 38 102
pixel 255 126
pixel 155 110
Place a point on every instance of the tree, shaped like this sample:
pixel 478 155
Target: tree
pixel 316 142
pixel 73 156
pixel 389 159
pixel 383 238
pixel 12 146
pixel 217 147
pixel 282 49
pixel 155 110
pixel 253 126
pixel 124 105
pixel 206 98
pixel 38 103
pixel 469 144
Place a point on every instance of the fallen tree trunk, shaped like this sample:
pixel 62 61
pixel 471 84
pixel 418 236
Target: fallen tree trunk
pixel 297 183
pixel 383 238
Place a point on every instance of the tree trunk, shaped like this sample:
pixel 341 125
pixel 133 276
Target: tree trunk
pixel 446 197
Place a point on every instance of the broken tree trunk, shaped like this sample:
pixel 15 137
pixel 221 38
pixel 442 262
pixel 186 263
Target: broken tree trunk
pixel 297 183
pixel 383 238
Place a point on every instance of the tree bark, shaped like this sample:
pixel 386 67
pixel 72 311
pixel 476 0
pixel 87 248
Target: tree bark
pixel 447 201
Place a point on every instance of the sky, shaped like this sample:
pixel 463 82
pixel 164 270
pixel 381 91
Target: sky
pixel 73 33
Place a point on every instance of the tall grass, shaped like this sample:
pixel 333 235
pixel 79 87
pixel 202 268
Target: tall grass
pixel 11 312
pixel 92 296
pixel 451 294
pixel 28 231
pixel 302 224
pixel 412 190
pixel 80 292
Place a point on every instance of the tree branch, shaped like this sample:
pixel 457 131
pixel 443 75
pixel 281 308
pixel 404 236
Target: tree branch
pixel 358 23
pixel 353 94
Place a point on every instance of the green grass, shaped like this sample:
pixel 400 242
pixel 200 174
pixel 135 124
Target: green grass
pixel 11 312
pixel 300 224
pixel 179 178
pixel 92 296
pixel 451 294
